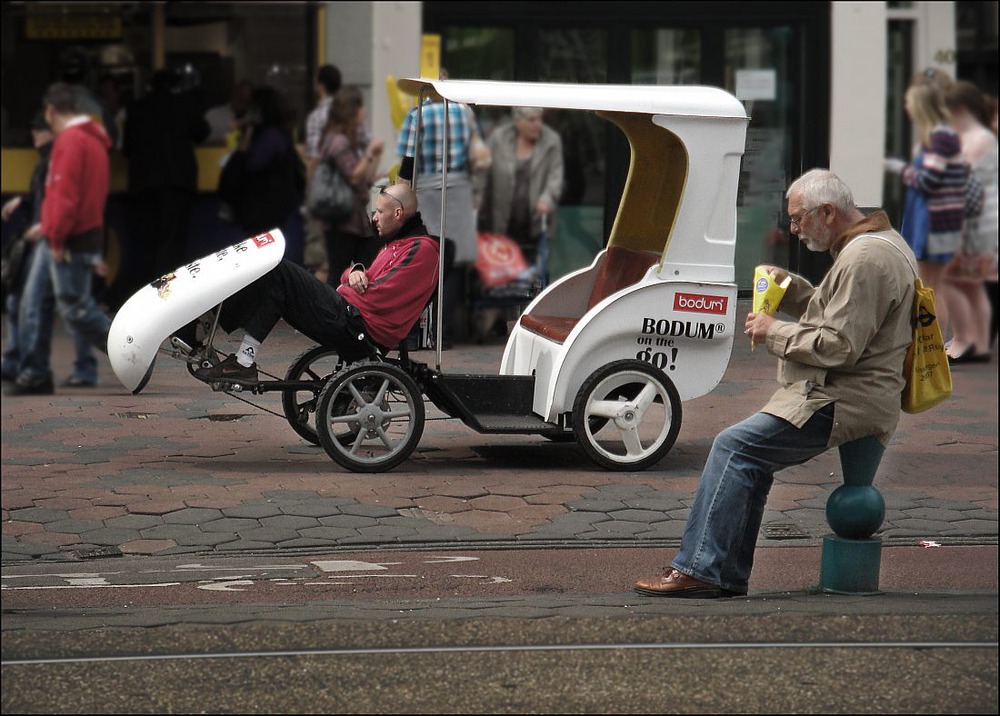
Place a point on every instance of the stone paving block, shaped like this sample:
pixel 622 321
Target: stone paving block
pixel 655 504
pixel 192 516
pixel 147 546
pixel 640 516
pixel 229 524
pixel 616 529
pixel 373 511
pixel 107 536
pixel 389 533
pixel 328 533
pixel 58 539
pixel 97 513
pixel 38 514
pixel 239 544
pixel 255 511
pixel 272 535
pixel 175 533
pixel 974 527
pixel 155 507
pixel 317 508
pixel 596 505
pixel 75 526
pixel 205 539
pixel 134 522
pixel 61 503
pixel 347 521
pixel 289 522
pixel 497 503
pixel 935 515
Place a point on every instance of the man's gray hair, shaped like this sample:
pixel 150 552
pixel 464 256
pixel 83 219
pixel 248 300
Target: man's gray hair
pixel 821 186
pixel 526 111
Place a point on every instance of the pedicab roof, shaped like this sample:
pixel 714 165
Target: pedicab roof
pixel 682 100
pixel 686 143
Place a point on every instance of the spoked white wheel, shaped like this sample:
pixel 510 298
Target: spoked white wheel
pixel 316 366
pixel 626 415
pixel 370 417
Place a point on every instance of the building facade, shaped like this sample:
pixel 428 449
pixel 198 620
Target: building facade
pixel 822 81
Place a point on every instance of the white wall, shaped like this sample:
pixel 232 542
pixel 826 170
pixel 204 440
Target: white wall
pixel 857 97
pixel 369 41
pixel 396 40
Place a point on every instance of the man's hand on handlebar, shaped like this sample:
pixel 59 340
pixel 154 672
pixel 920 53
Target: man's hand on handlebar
pixel 358 280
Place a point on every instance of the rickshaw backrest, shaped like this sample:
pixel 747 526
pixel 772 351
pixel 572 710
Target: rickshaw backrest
pixel 619 269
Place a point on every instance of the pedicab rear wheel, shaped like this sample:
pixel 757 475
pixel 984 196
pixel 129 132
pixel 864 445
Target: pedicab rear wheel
pixel 627 415
pixel 370 417
pixel 315 365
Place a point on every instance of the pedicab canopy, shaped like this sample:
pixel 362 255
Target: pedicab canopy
pixel 686 143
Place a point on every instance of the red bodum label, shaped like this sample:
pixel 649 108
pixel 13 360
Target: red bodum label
pixel 700 303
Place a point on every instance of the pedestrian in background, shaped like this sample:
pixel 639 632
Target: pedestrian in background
pixel 840 369
pixel 43 306
pixel 524 182
pixel 267 172
pixel 70 237
pixel 976 259
pixel 328 81
pixel 934 205
pixel 356 158
pixel 226 120
pixel 161 131
pixel 425 164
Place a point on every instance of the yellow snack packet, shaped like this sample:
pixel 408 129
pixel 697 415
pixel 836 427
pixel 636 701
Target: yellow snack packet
pixel 767 292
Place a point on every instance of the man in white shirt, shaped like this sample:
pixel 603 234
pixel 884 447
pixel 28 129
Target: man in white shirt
pixel 226 117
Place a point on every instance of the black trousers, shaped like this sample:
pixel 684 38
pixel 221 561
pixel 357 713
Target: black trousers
pixel 308 305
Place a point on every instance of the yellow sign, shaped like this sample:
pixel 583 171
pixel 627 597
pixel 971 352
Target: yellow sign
pixel 73 27
pixel 430 56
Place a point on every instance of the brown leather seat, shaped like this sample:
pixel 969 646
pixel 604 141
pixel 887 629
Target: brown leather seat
pixel 620 268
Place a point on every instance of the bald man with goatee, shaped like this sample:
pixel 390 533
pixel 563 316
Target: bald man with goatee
pixel 383 300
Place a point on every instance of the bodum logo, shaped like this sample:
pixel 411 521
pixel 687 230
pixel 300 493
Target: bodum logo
pixel 699 303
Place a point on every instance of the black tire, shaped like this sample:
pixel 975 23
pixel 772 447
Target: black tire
pixel 316 365
pixel 627 415
pixel 370 417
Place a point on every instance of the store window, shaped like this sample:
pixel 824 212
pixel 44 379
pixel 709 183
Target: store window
pixel 112 49
pixel 757 71
pixel 666 57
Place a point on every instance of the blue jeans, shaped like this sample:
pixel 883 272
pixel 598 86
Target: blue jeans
pixel 721 531
pixel 68 286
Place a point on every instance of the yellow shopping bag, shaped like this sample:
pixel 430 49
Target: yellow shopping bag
pixel 928 376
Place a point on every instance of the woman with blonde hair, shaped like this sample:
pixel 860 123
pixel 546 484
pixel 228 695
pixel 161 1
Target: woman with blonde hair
pixel 345 143
pixel 976 260
pixel 934 207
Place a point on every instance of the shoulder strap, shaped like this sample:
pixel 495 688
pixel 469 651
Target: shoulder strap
pixel 901 252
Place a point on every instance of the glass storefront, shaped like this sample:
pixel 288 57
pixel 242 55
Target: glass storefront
pixel 761 62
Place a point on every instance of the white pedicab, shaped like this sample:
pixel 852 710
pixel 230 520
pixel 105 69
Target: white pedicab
pixel 605 355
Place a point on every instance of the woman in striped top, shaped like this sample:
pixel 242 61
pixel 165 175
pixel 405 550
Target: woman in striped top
pixel 934 207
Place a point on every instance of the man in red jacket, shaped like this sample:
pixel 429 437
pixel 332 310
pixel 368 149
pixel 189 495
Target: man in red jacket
pixel 70 233
pixel 383 300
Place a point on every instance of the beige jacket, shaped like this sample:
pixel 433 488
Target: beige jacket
pixel 849 342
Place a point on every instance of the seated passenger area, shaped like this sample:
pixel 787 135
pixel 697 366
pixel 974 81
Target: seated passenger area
pixel 619 268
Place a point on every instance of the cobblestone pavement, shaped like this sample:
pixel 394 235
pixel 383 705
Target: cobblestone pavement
pixel 179 469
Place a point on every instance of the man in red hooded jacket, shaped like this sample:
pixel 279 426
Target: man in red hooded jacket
pixel 71 232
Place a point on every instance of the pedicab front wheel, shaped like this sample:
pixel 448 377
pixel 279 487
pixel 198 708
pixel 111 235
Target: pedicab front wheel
pixel 626 415
pixel 316 365
pixel 370 417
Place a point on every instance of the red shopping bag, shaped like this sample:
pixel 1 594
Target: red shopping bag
pixel 499 260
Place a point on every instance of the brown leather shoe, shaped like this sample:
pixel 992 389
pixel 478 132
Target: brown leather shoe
pixel 678 584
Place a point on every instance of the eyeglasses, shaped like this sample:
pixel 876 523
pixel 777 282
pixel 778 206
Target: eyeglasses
pixel 383 192
pixel 797 220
